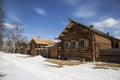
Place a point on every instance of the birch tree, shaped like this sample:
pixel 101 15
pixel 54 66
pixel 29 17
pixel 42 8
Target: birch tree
pixel 14 36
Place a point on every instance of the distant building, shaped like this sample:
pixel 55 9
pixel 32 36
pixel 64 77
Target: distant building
pixel 37 46
pixel 21 48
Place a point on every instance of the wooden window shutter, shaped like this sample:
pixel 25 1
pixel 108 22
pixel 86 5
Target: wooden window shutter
pixel 76 44
pixel 86 43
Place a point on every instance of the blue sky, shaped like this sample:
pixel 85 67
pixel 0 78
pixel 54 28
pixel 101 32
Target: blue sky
pixel 48 18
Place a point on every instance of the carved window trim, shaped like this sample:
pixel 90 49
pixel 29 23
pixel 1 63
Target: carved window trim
pixel 73 44
pixel 67 44
pixel 83 43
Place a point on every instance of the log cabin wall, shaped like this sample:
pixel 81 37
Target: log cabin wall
pixel 115 43
pixel 110 55
pixel 37 46
pixel 100 42
pixel 119 44
pixel 76 43
pixel 32 47
pixel 28 48
pixel 81 41
pixel 38 49
pixel 103 42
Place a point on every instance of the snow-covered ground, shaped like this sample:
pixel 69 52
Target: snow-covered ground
pixel 23 67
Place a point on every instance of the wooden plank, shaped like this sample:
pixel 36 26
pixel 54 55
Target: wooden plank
pixel 110 55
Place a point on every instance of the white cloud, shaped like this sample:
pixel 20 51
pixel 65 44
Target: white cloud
pixel 108 25
pixel 110 22
pixel 117 33
pixel 7 25
pixel 84 12
pixel 40 11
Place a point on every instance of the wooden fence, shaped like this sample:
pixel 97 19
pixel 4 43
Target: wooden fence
pixel 110 55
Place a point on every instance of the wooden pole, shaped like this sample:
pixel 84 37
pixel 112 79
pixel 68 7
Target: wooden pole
pixel 93 43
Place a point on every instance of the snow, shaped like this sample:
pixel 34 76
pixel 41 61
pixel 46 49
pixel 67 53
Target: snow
pixel 24 67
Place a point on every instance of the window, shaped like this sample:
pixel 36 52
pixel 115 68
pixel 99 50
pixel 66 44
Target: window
pixel 86 43
pixel 72 44
pixel 77 44
pixel 82 44
pixel 67 44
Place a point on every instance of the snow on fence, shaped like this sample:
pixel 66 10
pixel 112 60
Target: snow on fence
pixel 110 55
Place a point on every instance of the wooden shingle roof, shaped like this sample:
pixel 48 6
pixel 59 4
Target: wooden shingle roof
pixel 43 41
pixel 72 22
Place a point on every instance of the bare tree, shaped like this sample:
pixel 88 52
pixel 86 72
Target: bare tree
pixel 1 24
pixel 14 36
pixel 24 39
pixel 7 46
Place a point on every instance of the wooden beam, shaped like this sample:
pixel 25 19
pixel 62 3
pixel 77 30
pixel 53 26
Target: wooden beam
pixel 67 28
pixel 64 33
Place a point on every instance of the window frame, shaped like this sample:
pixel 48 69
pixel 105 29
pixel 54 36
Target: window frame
pixel 83 43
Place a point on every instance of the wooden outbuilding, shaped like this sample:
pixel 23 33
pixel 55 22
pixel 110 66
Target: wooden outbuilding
pixel 37 46
pixel 84 42
pixel 55 50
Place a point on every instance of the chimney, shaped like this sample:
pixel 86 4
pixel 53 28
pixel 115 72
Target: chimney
pixel 108 34
pixel 91 27
pixel 70 19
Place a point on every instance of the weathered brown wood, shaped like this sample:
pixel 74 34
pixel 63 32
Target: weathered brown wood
pixel 86 42
pixel 103 42
pixel 77 33
pixel 55 50
pixel 110 55
pixel 38 47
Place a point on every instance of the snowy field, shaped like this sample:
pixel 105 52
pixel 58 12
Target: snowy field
pixel 24 67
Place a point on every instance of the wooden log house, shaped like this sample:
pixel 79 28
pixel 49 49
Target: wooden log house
pixel 37 46
pixel 81 41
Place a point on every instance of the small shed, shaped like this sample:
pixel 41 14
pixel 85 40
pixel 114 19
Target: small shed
pixel 55 50
pixel 37 46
